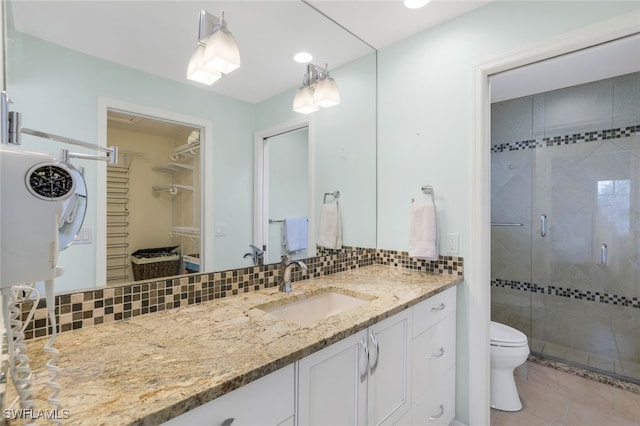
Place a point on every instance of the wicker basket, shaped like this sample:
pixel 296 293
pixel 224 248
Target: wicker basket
pixel 155 263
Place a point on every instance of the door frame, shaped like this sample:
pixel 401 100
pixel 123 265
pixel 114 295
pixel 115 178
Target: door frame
pixel 206 178
pixel 261 181
pixel 478 278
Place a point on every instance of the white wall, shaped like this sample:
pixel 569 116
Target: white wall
pixel 425 120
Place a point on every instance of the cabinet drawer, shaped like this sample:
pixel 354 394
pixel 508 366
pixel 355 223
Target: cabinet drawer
pixel 432 310
pixel 433 353
pixel 438 406
pixel 271 399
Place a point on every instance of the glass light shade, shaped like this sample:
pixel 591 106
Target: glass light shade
pixel 415 4
pixel 222 52
pixel 196 70
pixel 326 93
pixel 303 102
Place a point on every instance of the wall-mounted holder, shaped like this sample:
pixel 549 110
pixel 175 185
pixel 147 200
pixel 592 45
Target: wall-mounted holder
pixel 12 130
pixel 335 194
pixel 427 190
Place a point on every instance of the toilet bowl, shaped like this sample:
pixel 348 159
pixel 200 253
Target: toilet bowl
pixel 509 349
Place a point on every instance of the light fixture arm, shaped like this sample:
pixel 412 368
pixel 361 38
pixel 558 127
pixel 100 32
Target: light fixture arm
pixel 208 24
pixel 314 74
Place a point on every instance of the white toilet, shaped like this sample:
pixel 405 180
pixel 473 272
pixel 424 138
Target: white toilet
pixel 509 349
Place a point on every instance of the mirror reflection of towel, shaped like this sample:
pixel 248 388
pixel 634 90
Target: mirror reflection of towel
pixel 296 233
pixel 423 231
pixel 330 227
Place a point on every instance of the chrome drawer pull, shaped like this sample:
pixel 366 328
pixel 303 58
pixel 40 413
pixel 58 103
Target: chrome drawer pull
pixel 543 225
pixel 439 415
pixel 438 355
pixel 439 308
pixel 604 253
pixel 375 343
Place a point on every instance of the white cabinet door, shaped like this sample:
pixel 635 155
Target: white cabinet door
pixel 388 388
pixel 332 386
pixel 271 400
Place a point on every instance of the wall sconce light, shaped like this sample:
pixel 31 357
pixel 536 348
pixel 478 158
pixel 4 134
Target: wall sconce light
pixel 216 53
pixel 318 90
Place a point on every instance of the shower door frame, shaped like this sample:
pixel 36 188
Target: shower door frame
pixel 479 264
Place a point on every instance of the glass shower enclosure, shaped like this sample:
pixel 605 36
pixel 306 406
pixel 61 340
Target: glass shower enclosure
pixel 565 256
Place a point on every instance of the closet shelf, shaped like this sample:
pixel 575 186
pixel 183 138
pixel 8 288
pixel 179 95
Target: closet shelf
pixel 186 231
pixel 173 168
pixel 171 189
pixel 187 150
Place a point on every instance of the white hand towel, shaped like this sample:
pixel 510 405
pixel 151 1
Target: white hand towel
pixel 423 231
pixel 330 227
pixel 296 232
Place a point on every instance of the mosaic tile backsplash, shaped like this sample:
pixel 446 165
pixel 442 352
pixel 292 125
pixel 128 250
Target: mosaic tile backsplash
pixel 109 304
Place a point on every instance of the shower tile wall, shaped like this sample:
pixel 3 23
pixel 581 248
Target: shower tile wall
pixel 574 155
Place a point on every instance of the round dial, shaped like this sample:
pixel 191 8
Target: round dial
pixel 50 181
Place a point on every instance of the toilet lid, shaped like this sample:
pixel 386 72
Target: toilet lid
pixel 504 335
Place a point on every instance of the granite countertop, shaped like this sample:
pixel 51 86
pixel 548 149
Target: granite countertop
pixel 151 368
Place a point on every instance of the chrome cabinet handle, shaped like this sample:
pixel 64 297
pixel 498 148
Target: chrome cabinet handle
pixel 437 416
pixel 439 307
pixel 604 254
pixel 543 225
pixel 440 354
pixel 365 350
pixel 374 341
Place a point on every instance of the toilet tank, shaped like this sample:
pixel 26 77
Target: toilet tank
pixel 33 188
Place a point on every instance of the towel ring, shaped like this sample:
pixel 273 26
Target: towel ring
pixel 427 190
pixel 334 194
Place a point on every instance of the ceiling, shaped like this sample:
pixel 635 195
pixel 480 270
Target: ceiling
pixel 159 36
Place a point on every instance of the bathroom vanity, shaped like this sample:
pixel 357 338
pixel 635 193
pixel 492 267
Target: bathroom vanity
pixel 388 359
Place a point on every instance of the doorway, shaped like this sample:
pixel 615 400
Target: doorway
pixel 284 191
pixel 478 277
pixel 174 179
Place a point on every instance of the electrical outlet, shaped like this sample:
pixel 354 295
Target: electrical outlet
pixel 452 243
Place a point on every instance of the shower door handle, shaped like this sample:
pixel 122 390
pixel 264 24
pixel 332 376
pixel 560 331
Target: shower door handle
pixel 604 254
pixel 543 225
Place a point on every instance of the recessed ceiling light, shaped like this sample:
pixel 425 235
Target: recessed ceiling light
pixel 415 4
pixel 302 57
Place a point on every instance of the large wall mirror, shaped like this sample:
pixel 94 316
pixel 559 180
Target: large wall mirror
pixel 89 69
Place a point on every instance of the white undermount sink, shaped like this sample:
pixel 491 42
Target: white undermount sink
pixel 315 306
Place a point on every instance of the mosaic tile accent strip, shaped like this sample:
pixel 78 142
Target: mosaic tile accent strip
pixel 449 265
pixel 115 303
pixel 588 295
pixel 596 136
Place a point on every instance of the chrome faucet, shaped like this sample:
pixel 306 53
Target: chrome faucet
pixel 256 255
pixel 285 272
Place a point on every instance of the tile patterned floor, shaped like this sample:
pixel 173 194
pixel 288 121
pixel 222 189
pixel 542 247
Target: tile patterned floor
pixel 555 398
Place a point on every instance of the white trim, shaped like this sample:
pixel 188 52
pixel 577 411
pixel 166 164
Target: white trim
pixel 261 181
pixel 478 277
pixel 206 178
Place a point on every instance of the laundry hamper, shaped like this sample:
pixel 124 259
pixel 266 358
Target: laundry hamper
pixel 155 263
